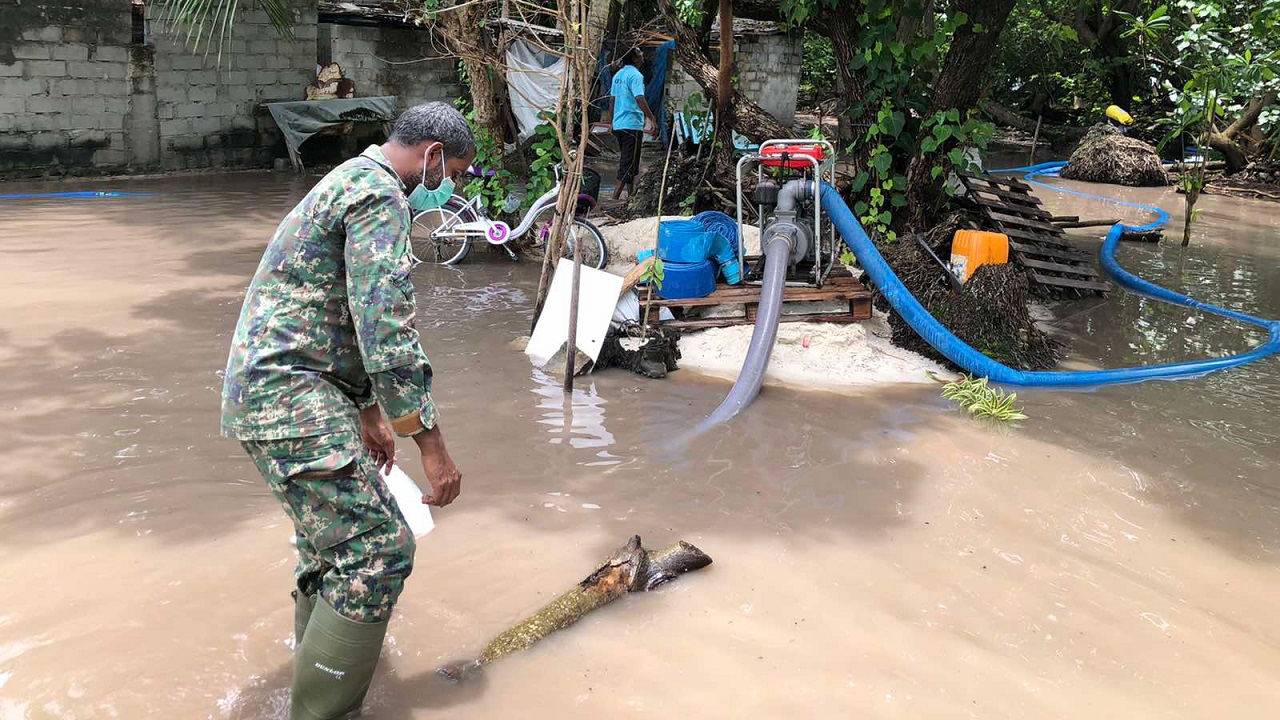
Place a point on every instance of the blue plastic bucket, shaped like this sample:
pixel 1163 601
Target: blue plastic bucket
pixel 683 241
pixel 685 281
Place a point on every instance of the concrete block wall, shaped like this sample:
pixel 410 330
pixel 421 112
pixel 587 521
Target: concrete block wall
pixel 64 86
pixel 208 111
pixel 79 96
pixel 769 72
pixel 363 50
pixel 768 69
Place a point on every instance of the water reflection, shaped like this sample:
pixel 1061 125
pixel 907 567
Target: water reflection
pixel 577 419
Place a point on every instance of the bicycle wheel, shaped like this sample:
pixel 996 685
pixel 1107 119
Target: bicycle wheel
pixel 595 253
pixel 429 236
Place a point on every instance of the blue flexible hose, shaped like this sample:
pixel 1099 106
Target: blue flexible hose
pixel 975 363
pixel 71 194
pixel 1052 169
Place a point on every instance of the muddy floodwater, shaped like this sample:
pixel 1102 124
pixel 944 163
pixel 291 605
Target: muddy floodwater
pixel 877 554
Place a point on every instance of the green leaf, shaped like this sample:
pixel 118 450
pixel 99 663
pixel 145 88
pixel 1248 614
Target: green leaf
pixel 860 181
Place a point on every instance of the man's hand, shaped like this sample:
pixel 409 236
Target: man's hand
pixel 377 438
pixel 650 126
pixel 445 479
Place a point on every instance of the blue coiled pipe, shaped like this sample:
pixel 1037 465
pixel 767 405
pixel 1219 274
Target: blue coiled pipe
pixel 975 363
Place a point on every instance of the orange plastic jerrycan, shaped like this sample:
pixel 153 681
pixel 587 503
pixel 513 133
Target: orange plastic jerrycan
pixel 971 249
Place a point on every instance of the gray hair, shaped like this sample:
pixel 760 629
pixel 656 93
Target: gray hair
pixel 435 122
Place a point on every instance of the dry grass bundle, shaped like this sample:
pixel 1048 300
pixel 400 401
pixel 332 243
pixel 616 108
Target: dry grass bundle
pixel 1106 156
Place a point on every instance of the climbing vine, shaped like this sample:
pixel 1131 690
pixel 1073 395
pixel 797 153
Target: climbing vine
pixel 895 110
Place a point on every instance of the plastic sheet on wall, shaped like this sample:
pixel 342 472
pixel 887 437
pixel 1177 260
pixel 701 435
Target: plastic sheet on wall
pixel 533 79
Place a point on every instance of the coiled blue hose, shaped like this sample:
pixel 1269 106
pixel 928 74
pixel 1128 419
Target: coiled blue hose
pixel 975 363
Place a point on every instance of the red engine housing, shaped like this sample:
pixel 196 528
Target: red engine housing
pixel 796 156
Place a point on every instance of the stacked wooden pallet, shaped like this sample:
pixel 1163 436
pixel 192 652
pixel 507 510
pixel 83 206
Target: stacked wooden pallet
pixel 840 287
pixel 1007 206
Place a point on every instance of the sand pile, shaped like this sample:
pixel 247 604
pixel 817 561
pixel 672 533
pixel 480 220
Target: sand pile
pixel 812 355
pixel 1106 156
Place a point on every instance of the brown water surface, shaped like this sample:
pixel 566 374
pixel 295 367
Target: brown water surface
pixel 876 555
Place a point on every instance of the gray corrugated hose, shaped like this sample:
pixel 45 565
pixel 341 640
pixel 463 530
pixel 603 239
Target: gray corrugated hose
pixel 779 239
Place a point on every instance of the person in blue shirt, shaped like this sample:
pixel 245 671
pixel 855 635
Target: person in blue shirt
pixel 630 119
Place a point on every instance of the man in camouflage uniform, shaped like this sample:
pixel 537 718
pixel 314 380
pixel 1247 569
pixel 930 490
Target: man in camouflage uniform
pixel 325 337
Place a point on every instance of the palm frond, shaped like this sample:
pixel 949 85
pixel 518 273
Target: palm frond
pixel 211 23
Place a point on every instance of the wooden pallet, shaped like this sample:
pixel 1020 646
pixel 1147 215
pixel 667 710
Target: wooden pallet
pixel 837 288
pixel 1036 242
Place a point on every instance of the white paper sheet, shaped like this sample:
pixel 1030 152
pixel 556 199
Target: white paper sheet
pixel 597 297
pixel 409 498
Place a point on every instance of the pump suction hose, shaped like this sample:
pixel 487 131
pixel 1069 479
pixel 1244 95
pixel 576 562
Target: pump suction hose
pixel 975 363
pixel 778 241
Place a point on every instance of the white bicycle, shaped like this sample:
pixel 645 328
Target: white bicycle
pixel 445 235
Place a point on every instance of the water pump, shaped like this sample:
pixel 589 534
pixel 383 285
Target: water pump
pixel 788 178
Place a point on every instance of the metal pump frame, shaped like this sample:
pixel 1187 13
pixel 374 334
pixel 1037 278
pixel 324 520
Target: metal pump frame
pixel 827 167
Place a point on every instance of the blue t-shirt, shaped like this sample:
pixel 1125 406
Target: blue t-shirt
pixel 627 85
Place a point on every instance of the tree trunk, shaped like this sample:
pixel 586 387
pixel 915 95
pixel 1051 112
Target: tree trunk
pixel 484 63
pixel 958 86
pixel 1225 141
pixel 724 80
pixel 842 29
pixel 1008 118
pixel 598 17
pixel 750 119
pixel 1099 28
pixel 1231 151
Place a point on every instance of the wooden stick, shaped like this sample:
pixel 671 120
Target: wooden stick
pixel 1035 139
pixel 1087 223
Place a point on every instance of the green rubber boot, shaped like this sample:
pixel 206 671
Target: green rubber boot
pixel 302 607
pixel 334 664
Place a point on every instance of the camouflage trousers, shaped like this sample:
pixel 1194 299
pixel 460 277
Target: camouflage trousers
pixel 354 547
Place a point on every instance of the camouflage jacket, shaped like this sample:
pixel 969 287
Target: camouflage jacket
pixel 327 325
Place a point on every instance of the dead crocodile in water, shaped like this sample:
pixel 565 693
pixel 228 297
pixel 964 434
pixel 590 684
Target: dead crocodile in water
pixel 629 569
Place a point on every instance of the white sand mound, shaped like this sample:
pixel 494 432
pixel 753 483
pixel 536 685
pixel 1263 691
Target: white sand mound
pixel 627 239
pixel 837 356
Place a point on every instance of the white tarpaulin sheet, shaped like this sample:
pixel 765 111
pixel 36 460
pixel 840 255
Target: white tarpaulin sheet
pixel 533 79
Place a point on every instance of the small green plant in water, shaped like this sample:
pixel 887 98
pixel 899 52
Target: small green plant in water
pixel 982 400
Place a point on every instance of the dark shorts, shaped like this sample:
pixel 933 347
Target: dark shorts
pixel 629 142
